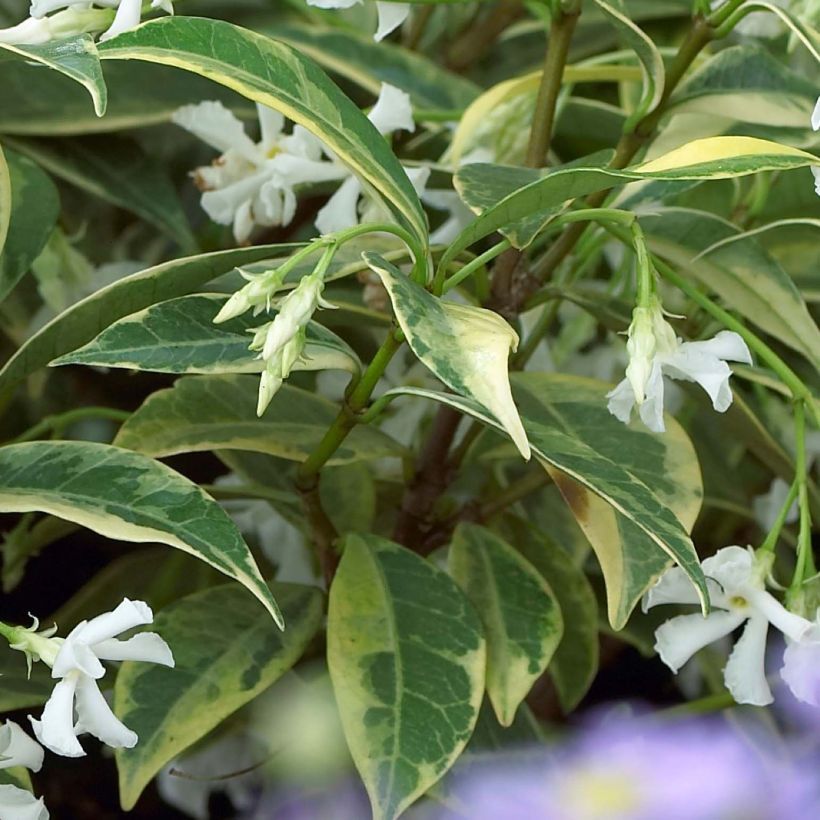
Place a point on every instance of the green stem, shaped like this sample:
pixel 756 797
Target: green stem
pixel 720 15
pixel 513 493
pixel 646 279
pixel 805 560
pixel 242 491
pixel 560 37
pixel 702 706
pixel 771 539
pixel 8 632
pixel 470 268
pixel 347 418
pixel 59 422
pixel 419 260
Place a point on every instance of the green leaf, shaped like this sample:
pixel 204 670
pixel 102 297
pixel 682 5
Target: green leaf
pixel 5 199
pixel 749 84
pixel 406 658
pixel 128 497
pixel 19 691
pixel 464 346
pixel 118 171
pixel 225 656
pixel 76 57
pixel 703 159
pixel 219 413
pixel 648 55
pixel 45 104
pixel 278 76
pixel 520 613
pixel 157 576
pixel 635 493
pixel 34 208
pixel 179 336
pixel 575 662
pixel 356 57
pixel 84 320
pixel 744 275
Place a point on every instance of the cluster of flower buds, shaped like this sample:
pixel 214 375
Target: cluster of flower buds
pixel 73 17
pixel 280 343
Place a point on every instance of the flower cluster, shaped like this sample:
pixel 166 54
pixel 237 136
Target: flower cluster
pixel 737 589
pixel 253 183
pixel 72 17
pixel 655 351
pixel 76 706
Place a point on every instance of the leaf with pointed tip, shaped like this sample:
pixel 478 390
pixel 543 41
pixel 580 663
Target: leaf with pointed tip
pixel 278 76
pixel 128 497
pixel 741 272
pixel 219 413
pixel 30 214
pixel 179 336
pixel 521 617
pixel 654 74
pixel 225 656
pixel 83 321
pixel 635 494
pixel 516 200
pixel 575 662
pixel 464 346
pixel 76 57
pixel 406 656
pixel 118 171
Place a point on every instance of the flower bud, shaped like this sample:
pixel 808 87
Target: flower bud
pixel 641 349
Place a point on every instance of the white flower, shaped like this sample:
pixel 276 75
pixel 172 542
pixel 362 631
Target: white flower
pixel 391 15
pixel 78 665
pixel 18 749
pixel 19 804
pixel 801 665
pixel 738 595
pixel 69 23
pixel 392 112
pixel 655 352
pixel 252 183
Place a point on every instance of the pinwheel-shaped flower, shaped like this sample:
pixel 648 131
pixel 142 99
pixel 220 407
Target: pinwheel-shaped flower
pixel 391 15
pixel 78 666
pixel 252 183
pixel 738 595
pixel 801 665
pixel 655 351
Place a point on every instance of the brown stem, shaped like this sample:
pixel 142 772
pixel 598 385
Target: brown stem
pixel 472 43
pixel 322 530
pixel 429 482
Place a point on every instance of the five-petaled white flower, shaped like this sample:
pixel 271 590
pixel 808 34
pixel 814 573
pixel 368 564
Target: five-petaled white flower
pixel 19 804
pixel 737 591
pixel 252 183
pixel 391 15
pixel 77 664
pixel 655 351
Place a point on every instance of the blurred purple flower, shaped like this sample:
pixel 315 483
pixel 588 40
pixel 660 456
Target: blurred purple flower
pixel 348 802
pixel 633 769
